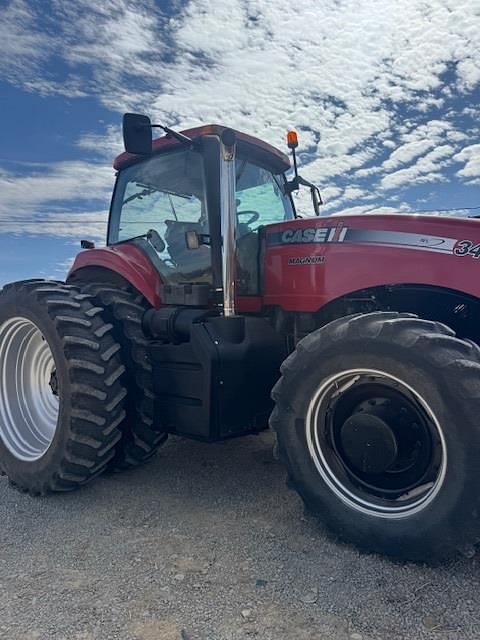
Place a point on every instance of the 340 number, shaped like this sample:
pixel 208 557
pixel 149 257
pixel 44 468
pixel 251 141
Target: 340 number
pixel 467 248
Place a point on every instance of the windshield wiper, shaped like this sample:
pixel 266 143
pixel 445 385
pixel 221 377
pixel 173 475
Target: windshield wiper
pixel 151 235
pixel 146 191
pixel 149 189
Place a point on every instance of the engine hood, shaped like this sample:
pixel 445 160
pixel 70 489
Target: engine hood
pixel 311 261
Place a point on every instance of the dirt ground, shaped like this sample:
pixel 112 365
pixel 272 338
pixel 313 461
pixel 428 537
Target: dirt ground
pixel 207 543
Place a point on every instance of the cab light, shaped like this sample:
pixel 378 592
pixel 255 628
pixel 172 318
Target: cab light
pixel 292 139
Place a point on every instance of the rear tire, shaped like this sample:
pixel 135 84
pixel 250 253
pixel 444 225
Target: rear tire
pixel 124 309
pixel 416 496
pixel 61 397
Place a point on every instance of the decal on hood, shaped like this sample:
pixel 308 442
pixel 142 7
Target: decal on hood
pixel 310 235
pixel 394 239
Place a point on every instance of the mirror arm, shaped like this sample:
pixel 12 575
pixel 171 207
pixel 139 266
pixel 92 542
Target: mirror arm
pixel 175 134
pixel 291 186
pixel 294 185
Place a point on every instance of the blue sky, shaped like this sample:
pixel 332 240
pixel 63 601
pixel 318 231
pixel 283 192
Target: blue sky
pixel 385 97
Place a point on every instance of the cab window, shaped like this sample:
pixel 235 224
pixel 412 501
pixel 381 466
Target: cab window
pixel 261 200
pixel 261 197
pixel 165 193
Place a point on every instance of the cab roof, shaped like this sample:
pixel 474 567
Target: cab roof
pixel 255 148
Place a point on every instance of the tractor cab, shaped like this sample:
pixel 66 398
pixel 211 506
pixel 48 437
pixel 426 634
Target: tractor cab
pixel 171 202
pixel 195 203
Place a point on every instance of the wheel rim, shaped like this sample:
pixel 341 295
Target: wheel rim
pixel 29 402
pixel 376 443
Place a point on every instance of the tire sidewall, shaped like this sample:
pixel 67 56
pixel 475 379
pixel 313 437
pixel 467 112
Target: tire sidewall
pixel 453 502
pixel 21 304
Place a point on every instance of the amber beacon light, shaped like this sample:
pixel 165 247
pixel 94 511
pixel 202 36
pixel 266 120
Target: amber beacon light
pixel 292 139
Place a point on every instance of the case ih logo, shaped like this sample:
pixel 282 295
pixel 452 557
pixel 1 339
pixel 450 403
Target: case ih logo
pixel 375 237
pixel 307 236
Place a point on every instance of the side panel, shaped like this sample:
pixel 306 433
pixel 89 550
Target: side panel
pixel 311 262
pixel 199 383
pixel 126 260
pixel 132 264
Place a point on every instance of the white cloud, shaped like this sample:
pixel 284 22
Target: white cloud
pixel 102 45
pixel 107 145
pixel 91 225
pixel 40 203
pixel 21 44
pixel 471 157
pixel 330 193
pixel 51 184
pixel 358 79
pixel 354 193
pixel 469 71
pixel 424 170
pixel 407 152
pixel 329 76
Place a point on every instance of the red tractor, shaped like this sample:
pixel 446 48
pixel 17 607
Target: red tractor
pixel 212 297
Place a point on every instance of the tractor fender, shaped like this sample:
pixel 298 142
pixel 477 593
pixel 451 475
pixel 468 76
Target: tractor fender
pixel 123 261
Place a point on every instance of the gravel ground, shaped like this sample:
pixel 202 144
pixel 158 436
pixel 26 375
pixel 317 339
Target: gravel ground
pixel 206 543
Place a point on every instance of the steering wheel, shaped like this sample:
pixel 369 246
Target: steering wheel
pixel 254 216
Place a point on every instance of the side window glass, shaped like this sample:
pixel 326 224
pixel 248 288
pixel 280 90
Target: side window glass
pixel 260 198
pixel 165 193
pixel 142 209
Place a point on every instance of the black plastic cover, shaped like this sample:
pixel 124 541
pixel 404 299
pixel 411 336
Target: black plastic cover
pixel 218 384
pixel 196 295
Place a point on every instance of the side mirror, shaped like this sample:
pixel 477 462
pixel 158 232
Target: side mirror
pixel 155 240
pixel 137 134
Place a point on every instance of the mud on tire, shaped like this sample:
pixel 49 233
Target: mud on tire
pixel 124 309
pixel 61 395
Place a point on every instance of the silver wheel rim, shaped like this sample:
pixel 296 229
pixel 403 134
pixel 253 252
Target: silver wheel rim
pixel 336 385
pixel 29 407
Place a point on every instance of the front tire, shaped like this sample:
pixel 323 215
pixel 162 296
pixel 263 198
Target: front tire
pixel 61 396
pixel 377 421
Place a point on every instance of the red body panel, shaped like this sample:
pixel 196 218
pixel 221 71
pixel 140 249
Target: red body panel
pixel 128 261
pixel 133 265
pixel 393 249
pixel 349 254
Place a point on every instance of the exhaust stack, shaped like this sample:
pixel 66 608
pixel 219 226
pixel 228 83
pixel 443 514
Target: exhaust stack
pixel 228 213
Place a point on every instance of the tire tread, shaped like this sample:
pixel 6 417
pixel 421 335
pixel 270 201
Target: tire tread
pixel 93 421
pixel 124 309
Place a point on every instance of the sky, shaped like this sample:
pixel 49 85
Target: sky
pixel 384 94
